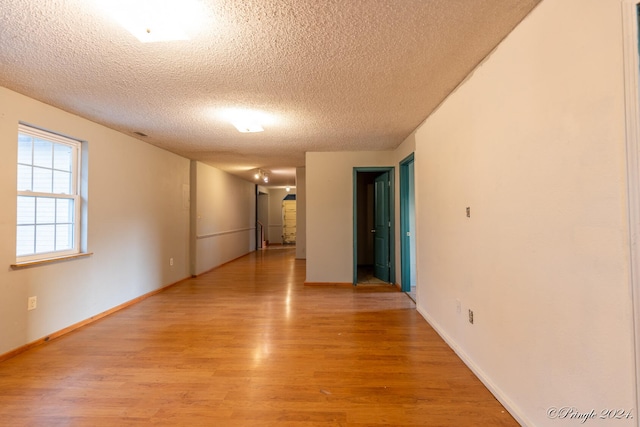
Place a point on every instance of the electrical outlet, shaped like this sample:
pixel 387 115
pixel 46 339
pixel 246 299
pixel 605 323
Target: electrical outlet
pixel 468 212
pixel 458 306
pixel 32 303
pixel 171 262
pixel 471 316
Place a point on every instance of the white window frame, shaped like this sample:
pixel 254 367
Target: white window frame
pixel 76 155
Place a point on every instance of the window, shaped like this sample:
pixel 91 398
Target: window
pixel 48 201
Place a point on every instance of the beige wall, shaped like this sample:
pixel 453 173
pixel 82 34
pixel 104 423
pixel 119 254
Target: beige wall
pixel 534 143
pixel 329 189
pixel 327 195
pixel 225 217
pixel 137 220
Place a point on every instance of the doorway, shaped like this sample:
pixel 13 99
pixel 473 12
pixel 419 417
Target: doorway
pixel 373 226
pixel 262 218
pixel 408 268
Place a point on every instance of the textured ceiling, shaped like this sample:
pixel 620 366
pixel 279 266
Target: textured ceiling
pixel 335 74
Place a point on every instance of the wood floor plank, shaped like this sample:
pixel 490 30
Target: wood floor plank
pixel 248 344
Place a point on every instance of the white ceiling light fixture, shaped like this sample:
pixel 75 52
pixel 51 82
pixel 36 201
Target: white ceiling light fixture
pixel 246 121
pixel 156 20
pixel 247 127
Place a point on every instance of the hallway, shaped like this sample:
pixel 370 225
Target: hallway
pixel 248 344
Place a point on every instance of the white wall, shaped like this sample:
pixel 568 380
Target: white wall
pixel 225 217
pixel 137 220
pixel 329 189
pixel 301 213
pixel 534 143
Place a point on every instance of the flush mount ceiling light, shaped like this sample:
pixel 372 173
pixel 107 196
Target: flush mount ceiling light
pixel 247 127
pixel 246 121
pixel 155 20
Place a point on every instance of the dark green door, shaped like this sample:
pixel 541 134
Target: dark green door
pixel 382 227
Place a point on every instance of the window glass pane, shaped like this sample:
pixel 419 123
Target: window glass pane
pixel 62 157
pixel 45 223
pixel 25 240
pixel 26 210
pixel 61 182
pixel 64 237
pixel 24 178
pixel 64 211
pixel 24 149
pixel 45 238
pixel 45 211
pixel 42 180
pixel 42 153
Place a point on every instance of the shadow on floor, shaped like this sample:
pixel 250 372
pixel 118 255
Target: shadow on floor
pixel 366 277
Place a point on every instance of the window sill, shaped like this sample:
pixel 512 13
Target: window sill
pixel 26 264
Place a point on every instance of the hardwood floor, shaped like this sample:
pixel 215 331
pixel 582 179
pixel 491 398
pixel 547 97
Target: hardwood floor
pixel 249 345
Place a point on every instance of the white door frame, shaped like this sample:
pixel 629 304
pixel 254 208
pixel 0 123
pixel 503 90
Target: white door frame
pixel 632 110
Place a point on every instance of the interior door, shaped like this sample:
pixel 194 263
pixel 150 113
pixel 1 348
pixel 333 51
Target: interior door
pixel 408 227
pixel 289 221
pixel 382 227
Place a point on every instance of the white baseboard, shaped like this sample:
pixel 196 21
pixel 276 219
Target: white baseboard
pixel 482 376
